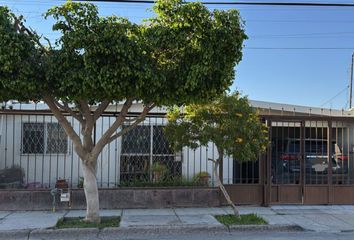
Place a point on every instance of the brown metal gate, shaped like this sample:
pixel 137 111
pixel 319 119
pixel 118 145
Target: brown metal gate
pixel 310 161
pixel 285 162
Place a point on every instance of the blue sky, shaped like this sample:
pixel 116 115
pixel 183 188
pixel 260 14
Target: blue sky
pixel 309 77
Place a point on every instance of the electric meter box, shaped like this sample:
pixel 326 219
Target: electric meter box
pixel 65 197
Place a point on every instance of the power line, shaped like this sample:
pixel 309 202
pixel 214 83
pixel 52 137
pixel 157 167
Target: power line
pixel 300 48
pixel 305 34
pixel 305 4
pixel 298 21
pixel 335 96
pixel 300 37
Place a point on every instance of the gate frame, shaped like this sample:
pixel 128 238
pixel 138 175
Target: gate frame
pixel 310 193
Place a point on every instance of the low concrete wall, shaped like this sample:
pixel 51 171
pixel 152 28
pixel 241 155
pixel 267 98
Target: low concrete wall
pixel 114 198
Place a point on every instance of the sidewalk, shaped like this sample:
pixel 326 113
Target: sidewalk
pixel 334 218
pixel 130 218
pixel 312 218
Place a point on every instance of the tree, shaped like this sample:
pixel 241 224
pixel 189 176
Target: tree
pixel 229 122
pixel 186 54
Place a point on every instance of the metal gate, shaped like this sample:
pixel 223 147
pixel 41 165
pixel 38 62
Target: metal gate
pixel 310 161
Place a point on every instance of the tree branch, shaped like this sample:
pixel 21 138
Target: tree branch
pixel 66 125
pixel 85 109
pixel 138 120
pixel 100 109
pixel 89 122
pixel 65 107
pixel 212 160
pixel 119 120
pixel 22 29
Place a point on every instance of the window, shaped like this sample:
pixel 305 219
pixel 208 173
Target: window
pixel 142 146
pixel 137 141
pixel 43 138
pixel 160 143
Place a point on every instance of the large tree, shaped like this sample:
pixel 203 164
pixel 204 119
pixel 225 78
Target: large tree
pixel 185 54
pixel 229 122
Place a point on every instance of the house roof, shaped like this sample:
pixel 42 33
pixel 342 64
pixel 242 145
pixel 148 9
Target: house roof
pixel 263 106
pixel 289 109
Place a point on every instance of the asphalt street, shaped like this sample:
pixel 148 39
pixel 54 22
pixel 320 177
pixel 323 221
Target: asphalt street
pixel 221 236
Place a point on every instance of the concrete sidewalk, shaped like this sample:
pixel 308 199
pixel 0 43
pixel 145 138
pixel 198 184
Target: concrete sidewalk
pixel 334 218
pixel 313 218
pixel 130 218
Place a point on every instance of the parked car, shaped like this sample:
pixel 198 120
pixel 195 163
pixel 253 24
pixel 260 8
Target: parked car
pixel 315 156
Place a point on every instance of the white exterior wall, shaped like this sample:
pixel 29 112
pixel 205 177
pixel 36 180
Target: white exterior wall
pixel 47 168
pixel 43 168
pixel 195 161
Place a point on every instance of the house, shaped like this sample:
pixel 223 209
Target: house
pixel 32 139
pixel 309 159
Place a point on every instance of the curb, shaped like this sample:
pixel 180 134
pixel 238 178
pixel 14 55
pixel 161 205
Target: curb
pixel 66 233
pixel 264 228
pixel 165 229
pixel 14 234
pixel 88 233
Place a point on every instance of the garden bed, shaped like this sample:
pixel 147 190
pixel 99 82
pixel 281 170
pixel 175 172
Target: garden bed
pixel 80 223
pixel 246 219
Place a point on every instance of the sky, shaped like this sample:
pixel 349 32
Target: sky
pixel 279 61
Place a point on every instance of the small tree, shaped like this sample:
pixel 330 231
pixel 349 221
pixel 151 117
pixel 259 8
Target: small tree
pixel 185 54
pixel 229 122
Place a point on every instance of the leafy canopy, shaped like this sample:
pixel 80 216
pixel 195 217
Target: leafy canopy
pixel 20 60
pixel 229 122
pixel 186 54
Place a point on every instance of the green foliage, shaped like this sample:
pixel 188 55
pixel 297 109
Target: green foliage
pixel 159 167
pixel 169 181
pixel 229 122
pixel 159 171
pixel 81 182
pixel 195 49
pixel 186 54
pixel 20 60
pixel 80 223
pixel 202 178
pixel 247 219
pixel 201 175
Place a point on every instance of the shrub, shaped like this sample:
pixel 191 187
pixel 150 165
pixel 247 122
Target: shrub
pixel 202 178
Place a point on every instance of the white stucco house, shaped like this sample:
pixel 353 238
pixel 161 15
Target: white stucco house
pixel 31 138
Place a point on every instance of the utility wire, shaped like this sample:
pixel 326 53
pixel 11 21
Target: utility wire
pixel 305 34
pixel 300 48
pixel 298 21
pixel 331 99
pixel 305 4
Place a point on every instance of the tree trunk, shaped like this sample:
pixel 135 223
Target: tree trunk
pixel 221 186
pixel 91 193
